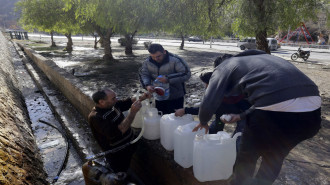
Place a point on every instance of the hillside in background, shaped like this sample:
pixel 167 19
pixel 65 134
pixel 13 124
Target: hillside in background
pixel 8 16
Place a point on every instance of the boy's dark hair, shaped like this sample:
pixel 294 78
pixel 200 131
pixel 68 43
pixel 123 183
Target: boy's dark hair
pixel 99 95
pixel 153 48
pixel 220 59
pixel 205 77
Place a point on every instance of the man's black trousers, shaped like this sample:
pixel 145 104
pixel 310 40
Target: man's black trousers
pixel 271 135
pixel 121 160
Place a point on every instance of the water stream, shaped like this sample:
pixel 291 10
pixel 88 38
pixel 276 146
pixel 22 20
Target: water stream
pixel 51 143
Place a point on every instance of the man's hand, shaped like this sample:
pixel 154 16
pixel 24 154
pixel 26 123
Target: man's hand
pixel 150 88
pixel 136 106
pixel 162 79
pixel 126 123
pixel 234 118
pixel 179 112
pixel 145 96
pixel 200 127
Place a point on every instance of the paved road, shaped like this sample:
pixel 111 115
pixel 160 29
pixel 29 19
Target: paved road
pixel 320 56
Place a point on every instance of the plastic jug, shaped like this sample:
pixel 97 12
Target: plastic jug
pixel 162 90
pixel 214 156
pixel 184 144
pixel 138 120
pixel 168 123
pixel 151 124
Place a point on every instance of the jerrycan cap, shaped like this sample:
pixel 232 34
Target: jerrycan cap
pixel 160 91
pixel 199 137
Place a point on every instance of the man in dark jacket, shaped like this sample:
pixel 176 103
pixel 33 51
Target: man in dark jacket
pixel 235 104
pixel 285 110
pixel 167 68
pixel 111 128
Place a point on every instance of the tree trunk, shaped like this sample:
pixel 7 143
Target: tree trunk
pixel 106 42
pixel 101 42
pixel 182 42
pixel 107 49
pixel 69 43
pixel 52 39
pixel 107 45
pixel 211 40
pixel 95 41
pixel 261 34
pixel 262 43
pixel 129 43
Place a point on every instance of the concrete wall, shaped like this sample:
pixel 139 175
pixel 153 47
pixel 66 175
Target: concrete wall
pixel 20 162
pixel 69 85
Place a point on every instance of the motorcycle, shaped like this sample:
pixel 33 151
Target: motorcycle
pixel 300 54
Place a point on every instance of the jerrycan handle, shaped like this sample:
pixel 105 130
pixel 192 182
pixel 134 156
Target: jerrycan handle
pixel 236 135
pixel 160 113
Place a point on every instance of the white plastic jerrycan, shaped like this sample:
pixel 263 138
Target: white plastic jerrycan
pixel 138 120
pixel 168 123
pixel 151 124
pixel 184 143
pixel 214 156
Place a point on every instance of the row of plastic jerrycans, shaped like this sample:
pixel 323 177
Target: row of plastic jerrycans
pixel 159 126
pixel 150 117
pixel 211 155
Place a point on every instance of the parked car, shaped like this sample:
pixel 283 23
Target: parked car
pixel 250 43
pixel 272 44
pixel 194 39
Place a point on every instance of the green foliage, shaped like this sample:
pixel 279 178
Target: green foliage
pixel 47 15
pixel 194 17
pixel 253 16
pixel 185 17
pixel 39 15
pixel 129 16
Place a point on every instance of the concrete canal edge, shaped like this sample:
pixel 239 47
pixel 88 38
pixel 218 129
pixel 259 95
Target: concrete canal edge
pixel 152 163
pixel 20 161
pixel 71 118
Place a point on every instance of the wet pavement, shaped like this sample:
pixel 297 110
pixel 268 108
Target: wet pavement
pixel 52 145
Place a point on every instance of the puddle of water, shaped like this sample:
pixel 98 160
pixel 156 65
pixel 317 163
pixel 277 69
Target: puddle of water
pixel 78 48
pixel 49 144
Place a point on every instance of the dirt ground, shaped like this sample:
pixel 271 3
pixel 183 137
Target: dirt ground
pixel 307 164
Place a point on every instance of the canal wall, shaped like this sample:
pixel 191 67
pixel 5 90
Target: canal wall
pixel 20 162
pixel 65 82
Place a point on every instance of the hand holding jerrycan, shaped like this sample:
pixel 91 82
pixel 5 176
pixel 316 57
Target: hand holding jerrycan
pixel 162 90
pixel 138 120
pixel 214 156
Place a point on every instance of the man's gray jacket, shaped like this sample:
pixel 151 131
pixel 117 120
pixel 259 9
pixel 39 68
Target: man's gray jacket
pixel 173 67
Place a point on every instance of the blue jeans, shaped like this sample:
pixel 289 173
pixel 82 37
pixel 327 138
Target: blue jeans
pixel 216 126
